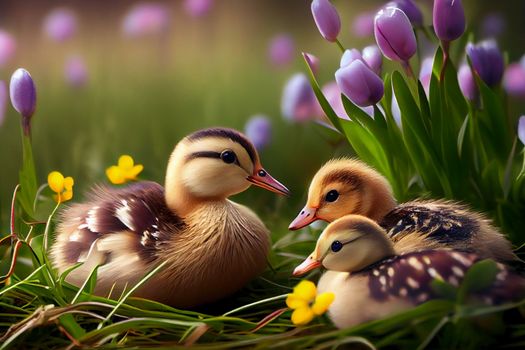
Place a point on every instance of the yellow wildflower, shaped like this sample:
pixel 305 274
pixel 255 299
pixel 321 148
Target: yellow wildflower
pixel 306 303
pixel 125 171
pixel 62 186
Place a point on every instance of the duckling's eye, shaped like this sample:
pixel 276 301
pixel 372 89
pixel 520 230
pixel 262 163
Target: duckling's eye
pixel 261 173
pixel 336 246
pixel 228 156
pixel 332 196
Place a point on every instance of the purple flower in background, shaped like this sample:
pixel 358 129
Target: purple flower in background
pixel 449 19
pixel 23 96
pixel 410 9
pixel 360 84
pixel 364 24
pixel 521 129
pixel 3 101
pixel 487 61
pixel 350 56
pixel 394 34
pixel 60 24
pixel 514 80
pixel 467 84
pixel 281 50
pixel 373 58
pixel 258 129
pixel 146 19
pixel 396 111
pixel 327 19
pixel 493 25
pixel 332 93
pixel 198 8
pixel 7 47
pixel 312 61
pixel 298 100
pixel 76 72
pixel 425 73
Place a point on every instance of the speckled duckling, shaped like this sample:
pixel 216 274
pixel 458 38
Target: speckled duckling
pixel 212 246
pixel 370 281
pixel 348 186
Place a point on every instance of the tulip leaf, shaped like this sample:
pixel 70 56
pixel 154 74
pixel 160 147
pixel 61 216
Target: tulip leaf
pixel 461 135
pixel 479 278
pixel 27 178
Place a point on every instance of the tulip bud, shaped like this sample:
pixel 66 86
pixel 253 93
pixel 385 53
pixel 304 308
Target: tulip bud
pixel 312 61
pixel 298 100
pixel 521 129
pixel 394 34
pixel 3 101
pixel 350 56
pixel 23 96
pixel 359 83
pixel 281 50
pixel 487 61
pixel 410 9
pixel 7 47
pixel 327 19
pixel 75 72
pixel 364 24
pixel 449 19
pixel 146 19
pixel 514 80
pixel 60 24
pixel 425 73
pixel 467 84
pixel 198 8
pixel 373 58
pixel 258 129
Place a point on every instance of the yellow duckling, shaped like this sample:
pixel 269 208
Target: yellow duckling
pixel 212 246
pixel 348 186
pixel 370 281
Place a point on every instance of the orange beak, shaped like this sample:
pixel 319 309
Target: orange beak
pixel 262 179
pixel 307 265
pixel 305 218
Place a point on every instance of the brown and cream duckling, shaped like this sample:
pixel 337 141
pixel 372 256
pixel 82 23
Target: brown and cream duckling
pixel 348 186
pixel 370 281
pixel 212 246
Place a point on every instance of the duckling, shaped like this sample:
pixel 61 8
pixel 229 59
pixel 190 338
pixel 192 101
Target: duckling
pixel 348 186
pixel 212 246
pixel 370 281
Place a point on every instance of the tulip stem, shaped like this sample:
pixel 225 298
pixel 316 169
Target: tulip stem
pixel 340 45
pixel 408 69
pixel 445 45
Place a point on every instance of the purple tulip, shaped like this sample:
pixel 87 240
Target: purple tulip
pixel 373 58
pixel 487 61
pixel 298 100
pixel 281 50
pixel 394 34
pixel 514 80
pixel 3 101
pixel 258 129
pixel 198 8
pixel 410 9
pixel 146 19
pixel 327 19
pixel 332 93
pixel 350 56
pixel 360 84
pixel 493 25
pixel 312 61
pixel 425 73
pixel 364 24
pixel 449 19
pixel 7 47
pixel 23 96
pixel 467 84
pixel 76 72
pixel 521 129
pixel 60 24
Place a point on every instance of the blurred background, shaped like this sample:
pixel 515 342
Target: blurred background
pixel 126 77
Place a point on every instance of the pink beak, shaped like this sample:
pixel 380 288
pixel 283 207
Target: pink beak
pixel 307 265
pixel 305 218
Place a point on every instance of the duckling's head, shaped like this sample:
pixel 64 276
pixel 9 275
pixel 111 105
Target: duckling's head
pixel 216 163
pixel 348 244
pixel 345 186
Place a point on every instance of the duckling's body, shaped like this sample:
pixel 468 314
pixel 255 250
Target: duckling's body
pixel 211 246
pixel 412 226
pixel 370 288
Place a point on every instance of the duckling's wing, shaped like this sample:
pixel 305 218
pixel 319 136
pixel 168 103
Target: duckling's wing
pixel 133 220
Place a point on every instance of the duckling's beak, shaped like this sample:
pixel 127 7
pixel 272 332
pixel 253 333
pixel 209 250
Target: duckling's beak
pixel 307 265
pixel 262 178
pixel 305 218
